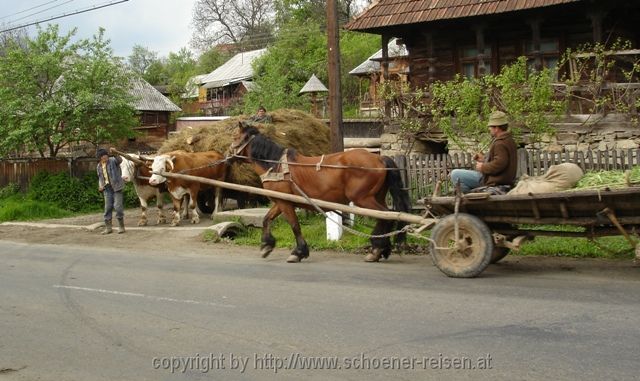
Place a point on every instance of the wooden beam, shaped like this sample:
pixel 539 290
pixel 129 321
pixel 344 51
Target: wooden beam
pixel 326 205
pixel 335 97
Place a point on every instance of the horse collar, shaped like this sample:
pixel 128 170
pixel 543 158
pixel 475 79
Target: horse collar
pixel 282 171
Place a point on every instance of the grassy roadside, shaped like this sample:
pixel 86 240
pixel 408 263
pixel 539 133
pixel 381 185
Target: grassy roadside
pixel 314 231
pixel 16 206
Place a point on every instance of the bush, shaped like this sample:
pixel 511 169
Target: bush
pixel 10 190
pixel 73 194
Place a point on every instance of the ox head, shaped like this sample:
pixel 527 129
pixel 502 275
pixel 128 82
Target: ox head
pixel 161 163
pixel 128 169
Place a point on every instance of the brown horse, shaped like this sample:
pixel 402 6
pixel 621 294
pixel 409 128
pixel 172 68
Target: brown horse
pixel 358 176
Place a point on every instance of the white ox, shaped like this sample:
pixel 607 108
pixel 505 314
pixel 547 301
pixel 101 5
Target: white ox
pixel 138 174
pixel 209 164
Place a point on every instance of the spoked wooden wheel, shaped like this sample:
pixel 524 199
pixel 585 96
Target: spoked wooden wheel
pixel 467 255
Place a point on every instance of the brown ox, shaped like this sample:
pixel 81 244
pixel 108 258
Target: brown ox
pixel 208 164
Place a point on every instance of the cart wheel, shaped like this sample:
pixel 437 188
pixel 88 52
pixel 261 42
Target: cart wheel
pixel 498 253
pixel 206 200
pixel 475 246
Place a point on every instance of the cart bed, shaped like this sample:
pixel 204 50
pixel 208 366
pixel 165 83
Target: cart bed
pixel 583 207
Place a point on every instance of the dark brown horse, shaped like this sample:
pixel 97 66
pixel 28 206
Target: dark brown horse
pixel 358 176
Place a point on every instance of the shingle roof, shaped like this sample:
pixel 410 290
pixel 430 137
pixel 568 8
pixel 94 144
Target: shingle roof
pixel 313 85
pixel 384 13
pixel 372 64
pixel 150 99
pixel 235 70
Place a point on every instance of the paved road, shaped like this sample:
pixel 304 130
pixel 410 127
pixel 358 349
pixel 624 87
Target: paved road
pixel 82 313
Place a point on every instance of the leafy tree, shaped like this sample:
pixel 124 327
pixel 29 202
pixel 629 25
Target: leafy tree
pixel 211 60
pixel 299 51
pixel 55 91
pixel 179 68
pixel 461 107
pixel 141 60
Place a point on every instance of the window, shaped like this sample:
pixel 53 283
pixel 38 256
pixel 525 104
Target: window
pixel 470 62
pixel 549 50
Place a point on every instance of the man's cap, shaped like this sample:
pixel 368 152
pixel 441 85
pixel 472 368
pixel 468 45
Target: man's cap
pixel 101 152
pixel 497 118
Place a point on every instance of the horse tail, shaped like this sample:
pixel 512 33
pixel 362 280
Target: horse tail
pixel 399 194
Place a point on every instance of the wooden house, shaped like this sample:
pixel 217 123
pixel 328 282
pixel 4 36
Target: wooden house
pixel 154 110
pixel 474 37
pixel 224 87
pixel 370 75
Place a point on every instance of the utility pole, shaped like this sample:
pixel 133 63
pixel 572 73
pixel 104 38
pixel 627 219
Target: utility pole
pixel 335 96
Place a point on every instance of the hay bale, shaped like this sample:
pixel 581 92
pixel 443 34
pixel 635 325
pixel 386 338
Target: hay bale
pixel 290 128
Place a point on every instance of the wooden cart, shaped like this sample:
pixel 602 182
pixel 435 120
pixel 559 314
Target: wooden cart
pixel 489 226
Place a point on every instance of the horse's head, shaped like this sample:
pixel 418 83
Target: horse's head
pixel 241 139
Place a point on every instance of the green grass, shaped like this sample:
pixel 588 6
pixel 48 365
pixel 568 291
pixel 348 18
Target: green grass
pixel 20 208
pixel 314 231
pixel 604 247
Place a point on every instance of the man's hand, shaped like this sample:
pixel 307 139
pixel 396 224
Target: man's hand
pixel 112 150
pixel 100 189
pixel 479 157
pixel 479 166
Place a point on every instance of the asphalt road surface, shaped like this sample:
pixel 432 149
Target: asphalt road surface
pixel 91 313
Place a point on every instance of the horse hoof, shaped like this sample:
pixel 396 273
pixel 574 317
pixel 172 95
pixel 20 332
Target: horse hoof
pixel 293 259
pixel 372 257
pixel 265 251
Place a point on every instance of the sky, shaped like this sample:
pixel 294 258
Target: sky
pixel 161 26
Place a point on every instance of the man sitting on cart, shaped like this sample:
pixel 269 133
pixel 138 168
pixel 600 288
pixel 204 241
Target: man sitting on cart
pixel 498 168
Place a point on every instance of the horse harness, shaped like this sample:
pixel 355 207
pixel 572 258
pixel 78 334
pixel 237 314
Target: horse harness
pixel 281 172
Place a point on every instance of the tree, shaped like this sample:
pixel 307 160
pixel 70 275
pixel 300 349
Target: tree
pixel 142 59
pixel 179 68
pixel 242 22
pixel 211 60
pixel 299 51
pixel 55 91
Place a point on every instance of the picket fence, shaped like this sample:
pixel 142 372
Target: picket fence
pixel 420 173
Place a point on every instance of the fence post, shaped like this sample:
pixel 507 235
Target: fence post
pixel 522 162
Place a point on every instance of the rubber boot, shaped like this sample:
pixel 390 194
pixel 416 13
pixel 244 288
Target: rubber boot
pixel 120 225
pixel 107 227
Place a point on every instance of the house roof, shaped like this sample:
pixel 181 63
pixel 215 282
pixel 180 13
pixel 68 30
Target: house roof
pixel 148 98
pixel 385 13
pixel 313 85
pixel 372 64
pixel 237 69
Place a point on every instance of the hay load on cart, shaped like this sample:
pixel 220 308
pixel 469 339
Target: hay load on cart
pixel 290 128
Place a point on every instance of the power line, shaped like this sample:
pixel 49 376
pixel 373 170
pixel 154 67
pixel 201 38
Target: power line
pixel 44 10
pixel 93 8
pixel 28 9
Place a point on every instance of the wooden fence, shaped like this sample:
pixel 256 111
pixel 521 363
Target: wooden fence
pixel 420 173
pixel 21 171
